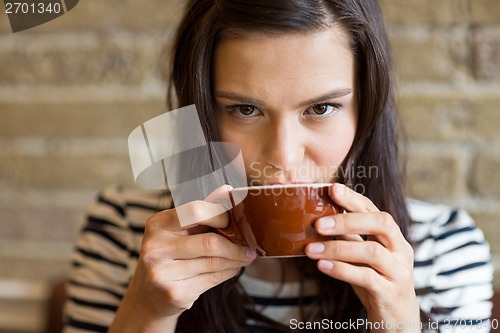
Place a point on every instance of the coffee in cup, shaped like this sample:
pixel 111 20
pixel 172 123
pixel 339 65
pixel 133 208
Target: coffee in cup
pixel 278 220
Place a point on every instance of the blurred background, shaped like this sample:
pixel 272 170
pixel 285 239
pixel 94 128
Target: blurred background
pixel 71 91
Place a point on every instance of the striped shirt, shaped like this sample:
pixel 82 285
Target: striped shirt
pixel 452 269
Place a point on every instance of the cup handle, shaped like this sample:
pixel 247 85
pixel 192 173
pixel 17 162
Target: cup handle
pixel 229 230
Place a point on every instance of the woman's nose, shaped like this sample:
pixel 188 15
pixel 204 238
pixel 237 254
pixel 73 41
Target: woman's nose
pixel 284 146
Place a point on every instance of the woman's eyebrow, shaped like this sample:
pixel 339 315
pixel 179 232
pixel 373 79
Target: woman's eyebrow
pixel 239 98
pixel 323 98
pixel 255 102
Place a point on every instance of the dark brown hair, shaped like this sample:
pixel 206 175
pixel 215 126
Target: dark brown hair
pixel 225 307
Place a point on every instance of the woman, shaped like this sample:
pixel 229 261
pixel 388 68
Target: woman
pixel 298 85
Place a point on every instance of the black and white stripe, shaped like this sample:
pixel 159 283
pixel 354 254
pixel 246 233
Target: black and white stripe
pixel 452 268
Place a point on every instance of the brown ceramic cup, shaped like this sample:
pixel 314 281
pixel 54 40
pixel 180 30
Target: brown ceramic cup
pixel 278 220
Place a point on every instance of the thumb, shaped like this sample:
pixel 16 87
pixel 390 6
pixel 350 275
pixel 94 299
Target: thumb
pixel 221 196
pixel 209 212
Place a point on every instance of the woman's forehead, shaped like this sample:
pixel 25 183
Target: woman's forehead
pixel 258 63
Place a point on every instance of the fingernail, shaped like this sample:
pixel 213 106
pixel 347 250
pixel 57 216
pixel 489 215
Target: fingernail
pixel 250 254
pixel 316 248
pixel 325 265
pixel 339 189
pixel 325 223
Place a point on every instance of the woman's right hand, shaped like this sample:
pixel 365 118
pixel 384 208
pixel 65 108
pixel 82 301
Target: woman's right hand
pixel 176 265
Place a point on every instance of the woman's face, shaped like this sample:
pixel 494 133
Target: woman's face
pixel 289 102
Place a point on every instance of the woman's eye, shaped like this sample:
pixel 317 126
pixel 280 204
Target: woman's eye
pixel 242 110
pixel 246 110
pixel 324 109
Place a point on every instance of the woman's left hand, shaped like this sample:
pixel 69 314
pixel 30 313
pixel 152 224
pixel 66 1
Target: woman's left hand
pixel 380 269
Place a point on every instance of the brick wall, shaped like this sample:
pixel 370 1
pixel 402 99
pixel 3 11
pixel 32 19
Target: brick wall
pixel 447 56
pixel 70 92
pixel 72 89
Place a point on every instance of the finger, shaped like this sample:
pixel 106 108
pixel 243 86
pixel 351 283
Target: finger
pixel 221 196
pixel 381 225
pixel 371 254
pixel 184 269
pixel 352 201
pixel 325 224
pixel 213 278
pixel 190 289
pixel 362 276
pixel 202 212
pixel 188 215
pixel 207 245
pixel 350 237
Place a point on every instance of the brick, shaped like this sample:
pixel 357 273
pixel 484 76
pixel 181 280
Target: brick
pixel 75 119
pixel 64 171
pixel 488 223
pixel 484 12
pixel 33 269
pixel 154 14
pixel 434 175
pixel 481 119
pixel 96 15
pixel 451 118
pixel 438 57
pixel 39 250
pixel 75 199
pixel 486 54
pixel 428 118
pixel 423 12
pixel 77 59
pixel 485 178
pixel 40 224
